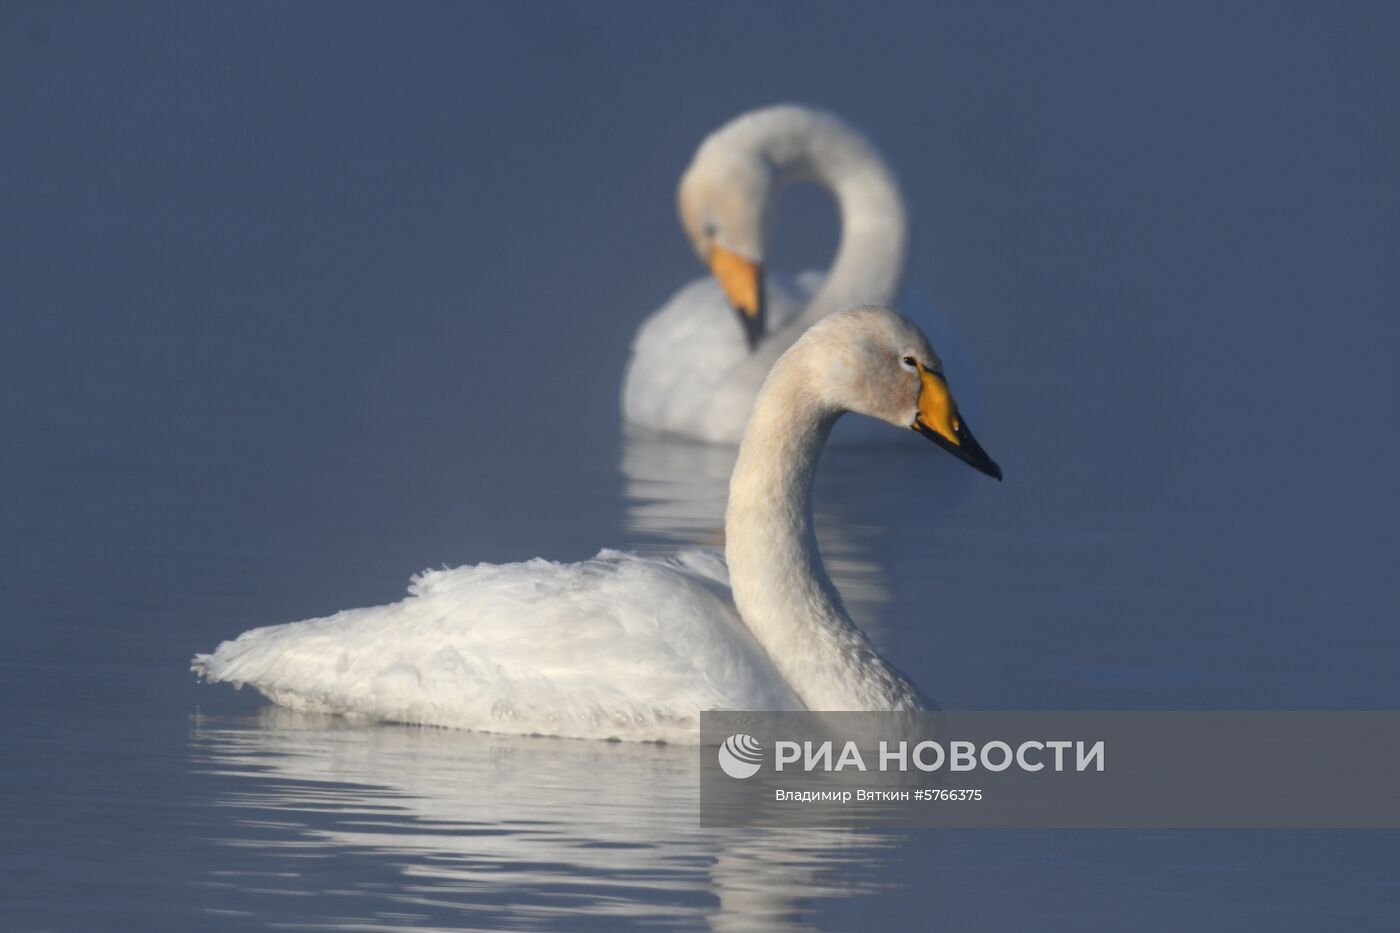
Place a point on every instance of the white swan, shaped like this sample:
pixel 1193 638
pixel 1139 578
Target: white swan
pixel 693 372
pixel 631 647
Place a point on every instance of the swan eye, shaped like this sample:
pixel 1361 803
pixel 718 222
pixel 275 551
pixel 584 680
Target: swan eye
pixel 711 230
pixel 911 362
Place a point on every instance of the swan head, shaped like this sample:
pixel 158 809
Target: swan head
pixel 876 362
pixel 724 200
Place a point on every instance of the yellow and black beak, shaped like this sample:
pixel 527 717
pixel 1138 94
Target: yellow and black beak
pixel 742 281
pixel 938 420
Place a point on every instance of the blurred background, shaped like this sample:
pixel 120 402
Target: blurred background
pixel 299 299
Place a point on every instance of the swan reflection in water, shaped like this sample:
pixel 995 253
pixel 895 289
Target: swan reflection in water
pixel 390 827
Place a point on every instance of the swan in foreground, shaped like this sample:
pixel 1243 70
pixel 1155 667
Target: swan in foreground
pixel 693 372
pixel 623 646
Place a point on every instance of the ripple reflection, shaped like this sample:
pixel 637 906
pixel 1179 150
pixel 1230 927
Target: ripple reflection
pixel 392 827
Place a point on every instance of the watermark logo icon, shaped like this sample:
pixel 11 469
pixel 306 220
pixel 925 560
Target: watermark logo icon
pixel 740 756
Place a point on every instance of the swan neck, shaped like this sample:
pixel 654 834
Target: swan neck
pixel 777 464
pixel 780 587
pixel 869 264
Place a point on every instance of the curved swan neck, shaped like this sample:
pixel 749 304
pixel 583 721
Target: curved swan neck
pixel 770 491
pixel 808 145
pixel 780 587
pixel 869 263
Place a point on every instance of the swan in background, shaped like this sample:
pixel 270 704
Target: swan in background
pixel 630 647
pixel 692 372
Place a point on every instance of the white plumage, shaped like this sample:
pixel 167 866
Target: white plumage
pixel 619 645
pixel 634 647
pixel 691 373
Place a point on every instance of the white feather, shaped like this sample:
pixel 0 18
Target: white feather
pixel 621 645
pixel 617 646
pixel 691 373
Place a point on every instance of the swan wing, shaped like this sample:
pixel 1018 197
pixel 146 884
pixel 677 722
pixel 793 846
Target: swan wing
pixel 617 646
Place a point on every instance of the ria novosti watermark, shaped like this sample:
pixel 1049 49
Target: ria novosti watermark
pixel 1047 769
pixel 927 756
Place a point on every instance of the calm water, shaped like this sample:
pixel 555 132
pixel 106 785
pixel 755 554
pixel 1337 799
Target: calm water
pixel 300 299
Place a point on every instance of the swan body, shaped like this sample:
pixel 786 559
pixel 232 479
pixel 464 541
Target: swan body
pixel 619 645
pixel 692 372
pixel 629 647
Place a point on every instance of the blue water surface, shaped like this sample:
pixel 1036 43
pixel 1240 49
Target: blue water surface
pixel 300 299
